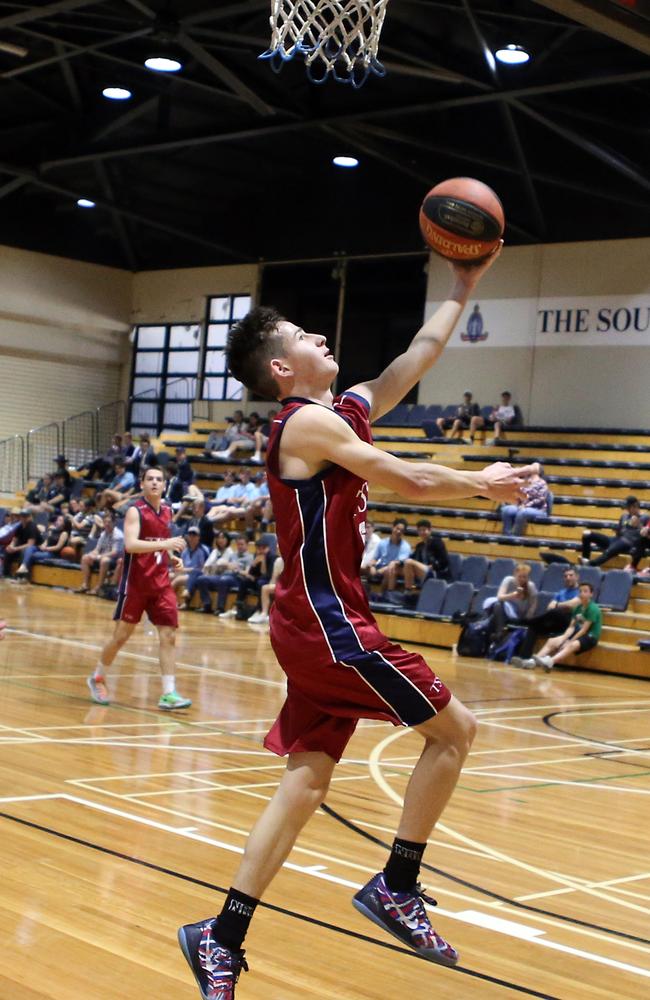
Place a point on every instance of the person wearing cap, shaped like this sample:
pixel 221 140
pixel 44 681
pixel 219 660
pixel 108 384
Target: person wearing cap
pixel 501 417
pixel 462 420
pixel 627 537
pixel 26 534
pixel 193 559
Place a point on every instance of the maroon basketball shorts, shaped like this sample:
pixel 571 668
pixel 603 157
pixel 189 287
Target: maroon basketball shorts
pixel 324 703
pixel 160 606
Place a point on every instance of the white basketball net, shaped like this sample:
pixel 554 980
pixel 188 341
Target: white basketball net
pixel 337 37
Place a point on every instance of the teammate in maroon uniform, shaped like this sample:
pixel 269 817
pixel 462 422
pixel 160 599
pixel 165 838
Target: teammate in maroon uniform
pixel 339 666
pixel 145 587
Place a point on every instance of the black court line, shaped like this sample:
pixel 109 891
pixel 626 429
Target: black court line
pixel 472 973
pixel 481 889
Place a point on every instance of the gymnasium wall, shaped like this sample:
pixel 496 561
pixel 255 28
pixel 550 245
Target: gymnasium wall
pixel 63 337
pixel 568 332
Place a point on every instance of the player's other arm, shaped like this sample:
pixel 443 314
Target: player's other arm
pixel 134 544
pixel 317 436
pixel 386 391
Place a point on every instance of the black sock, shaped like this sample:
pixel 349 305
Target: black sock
pixel 233 921
pixel 403 866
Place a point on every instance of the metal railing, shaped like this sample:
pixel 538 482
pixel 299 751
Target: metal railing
pixel 110 419
pixel 79 436
pixel 43 445
pixel 12 464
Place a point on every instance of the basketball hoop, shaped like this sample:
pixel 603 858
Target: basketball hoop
pixel 335 37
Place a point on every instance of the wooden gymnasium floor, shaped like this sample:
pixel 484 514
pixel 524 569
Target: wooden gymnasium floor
pixel 118 824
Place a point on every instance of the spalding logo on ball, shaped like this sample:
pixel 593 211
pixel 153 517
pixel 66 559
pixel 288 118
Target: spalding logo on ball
pixel 462 219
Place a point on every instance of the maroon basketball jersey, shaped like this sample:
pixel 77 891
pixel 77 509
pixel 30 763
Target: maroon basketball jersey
pixel 149 571
pixel 321 614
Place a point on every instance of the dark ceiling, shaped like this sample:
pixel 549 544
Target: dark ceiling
pixel 228 162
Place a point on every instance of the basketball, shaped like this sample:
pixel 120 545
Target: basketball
pixel 462 219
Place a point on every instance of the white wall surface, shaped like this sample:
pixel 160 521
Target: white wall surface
pixel 568 334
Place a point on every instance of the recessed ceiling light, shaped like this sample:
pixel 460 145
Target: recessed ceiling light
pixel 345 161
pixel 513 55
pixel 163 64
pixel 85 203
pixel 116 93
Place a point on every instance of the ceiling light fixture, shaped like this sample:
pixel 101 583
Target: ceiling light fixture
pixel 116 93
pixel 160 63
pixel 513 55
pixel 345 161
pixel 85 203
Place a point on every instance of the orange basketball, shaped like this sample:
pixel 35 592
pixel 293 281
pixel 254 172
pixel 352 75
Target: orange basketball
pixel 69 552
pixel 462 219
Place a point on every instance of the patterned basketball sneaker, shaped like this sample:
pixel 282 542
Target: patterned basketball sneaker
pixel 98 690
pixel 173 700
pixel 216 969
pixel 403 915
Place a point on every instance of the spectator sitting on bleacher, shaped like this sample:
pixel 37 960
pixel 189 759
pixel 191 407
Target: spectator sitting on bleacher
pixel 84 519
pixel 260 507
pixel 236 432
pixel 185 470
pixel 581 635
pixel 390 556
pixel 55 539
pixel 142 458
pixel 640 549
pixel 222 554
pixel 200 518
pixel 128 448
pixel 122 485
pixel 104 557
pixel 36 496
pixel 462 421
pixel 52 494
pixel 242 495
pixel 267 591
pixel 501 417
pixel 245 440
pixel 174 485
pixel 627 537
pixel 534 508
pixel 252 581
pixel 62 467
pixel 371 541
pixel 261 435
pixel 516 601
pixel 237 566
pixel 27 534
pixel 555 619
pixel 193 558
pixel 101 466
pixel 430 558
pixel 7 531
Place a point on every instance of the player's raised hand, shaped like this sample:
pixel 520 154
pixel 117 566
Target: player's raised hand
pixel 471 272
pixel 177 563
pixel 175 544
pixel 505 483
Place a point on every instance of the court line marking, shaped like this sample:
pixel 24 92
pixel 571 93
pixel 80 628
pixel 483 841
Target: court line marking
pixel 476 918
pixel 376 771
pixel 245 678
pixel 578 759
pixel 584 783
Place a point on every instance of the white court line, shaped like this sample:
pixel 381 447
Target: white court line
pixel 556 736
pixel 580 759
pixel 136 796
pixel 245 678
pixel 586 783
pixel 389 791
pixel 476 918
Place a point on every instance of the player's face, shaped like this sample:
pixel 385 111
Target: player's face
pixel 307 354
pixel 424 532
pixel 152 484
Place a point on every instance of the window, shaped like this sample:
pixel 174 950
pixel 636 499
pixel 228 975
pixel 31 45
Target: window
pixel 223 311
pixel 163 381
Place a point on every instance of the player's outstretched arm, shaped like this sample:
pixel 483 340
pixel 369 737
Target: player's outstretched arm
pixel 386 391
pixel 316 437
pixel 132 543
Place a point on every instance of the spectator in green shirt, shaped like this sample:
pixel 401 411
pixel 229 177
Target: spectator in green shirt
pixel 582 634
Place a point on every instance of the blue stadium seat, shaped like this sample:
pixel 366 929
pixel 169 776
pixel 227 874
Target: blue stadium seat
pixel 592 575
pixel 433 411
pixel 536 573
pixel 499 569
pixel 417 415
pixel 398 415
pixel 455 565
pixel 474 570
pixel 457 599
pixel 553 577
pixel 480 596
pixel 615 589
pixel 431 597
pixel 544 597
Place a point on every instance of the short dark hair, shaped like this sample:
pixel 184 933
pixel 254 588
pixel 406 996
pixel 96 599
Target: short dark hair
pixel 423 523
pixel 585 583
pixel 631 501
pixel 252 342
pixel 400 520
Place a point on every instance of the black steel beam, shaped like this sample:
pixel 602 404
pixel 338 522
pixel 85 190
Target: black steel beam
pixel 225 75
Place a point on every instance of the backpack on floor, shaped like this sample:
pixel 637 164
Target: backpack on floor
pixel 504 649
pixel 474 638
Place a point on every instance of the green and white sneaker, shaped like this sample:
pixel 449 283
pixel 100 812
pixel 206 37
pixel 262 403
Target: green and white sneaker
pixel 173 700
pixel 98 690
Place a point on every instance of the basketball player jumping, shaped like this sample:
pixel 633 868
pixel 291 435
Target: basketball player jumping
pixel 144 587
pixel 339 666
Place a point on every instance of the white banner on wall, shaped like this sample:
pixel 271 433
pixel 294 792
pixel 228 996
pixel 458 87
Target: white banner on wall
pixel 594 321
